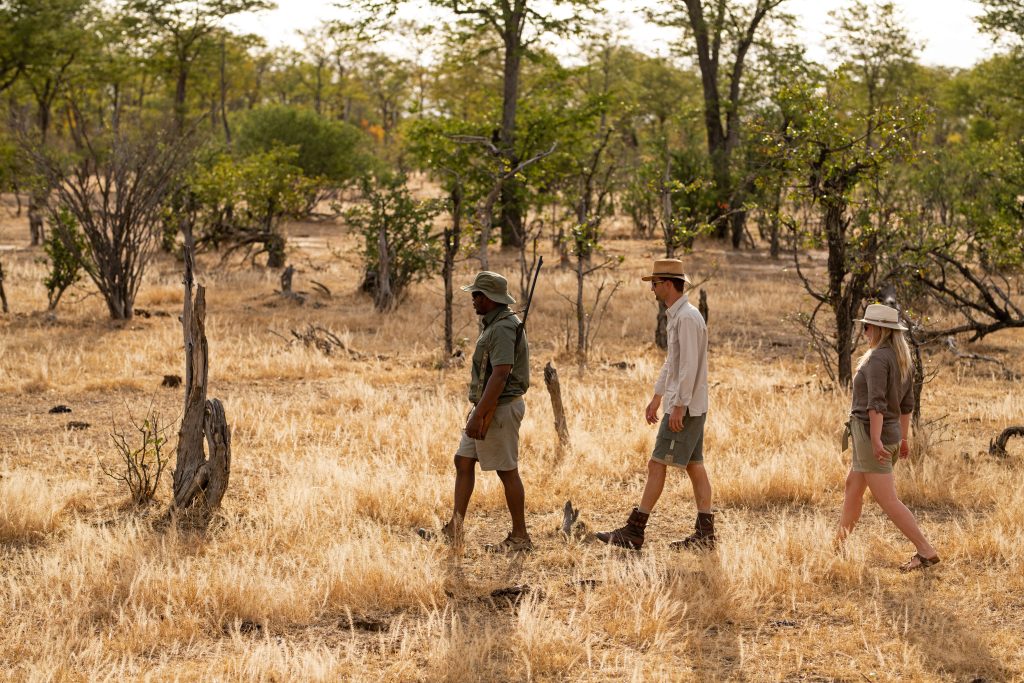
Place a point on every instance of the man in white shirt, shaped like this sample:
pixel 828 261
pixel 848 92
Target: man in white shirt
pixel 682 392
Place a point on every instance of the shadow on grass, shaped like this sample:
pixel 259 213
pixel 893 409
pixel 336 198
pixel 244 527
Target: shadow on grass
pixel 951 647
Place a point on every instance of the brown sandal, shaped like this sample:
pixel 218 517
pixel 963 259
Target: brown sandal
pixel 922 563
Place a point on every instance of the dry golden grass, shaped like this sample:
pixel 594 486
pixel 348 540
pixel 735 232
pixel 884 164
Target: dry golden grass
pixel 338 458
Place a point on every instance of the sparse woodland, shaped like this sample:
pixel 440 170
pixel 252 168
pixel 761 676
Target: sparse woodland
pixel 326 201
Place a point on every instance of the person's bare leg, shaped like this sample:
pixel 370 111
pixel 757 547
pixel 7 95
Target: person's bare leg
pixel 701 486
pixel 515 498
pixel 654 486
pixel 465 479
pixel 883 488
pixel 853 504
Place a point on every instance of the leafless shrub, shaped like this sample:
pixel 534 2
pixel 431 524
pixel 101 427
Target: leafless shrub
pixel 115 188
pixel 140 465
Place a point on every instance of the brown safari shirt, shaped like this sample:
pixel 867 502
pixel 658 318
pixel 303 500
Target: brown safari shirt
pixel 497 346
pixel 877 386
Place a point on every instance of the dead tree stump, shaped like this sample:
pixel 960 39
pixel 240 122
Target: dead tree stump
pixel 702 305
pixel 286 279
pixel 199 482
pixel 555 391
pixel 998 447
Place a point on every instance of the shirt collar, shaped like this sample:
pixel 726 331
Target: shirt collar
pixel 488 318
pixel 675 308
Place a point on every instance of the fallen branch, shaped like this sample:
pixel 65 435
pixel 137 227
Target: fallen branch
pixel 998 447
pixel 963 355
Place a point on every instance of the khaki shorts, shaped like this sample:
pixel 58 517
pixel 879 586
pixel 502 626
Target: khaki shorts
pixel 864 459
pixel 499 450
pixel 679 449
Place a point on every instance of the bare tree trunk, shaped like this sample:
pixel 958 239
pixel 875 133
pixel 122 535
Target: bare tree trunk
pixel 555 391
pixel 37 230
pixel 661 328
pixel 199 483
pixel 224 91
pixel 581 336
pixel 702 305
pixel 452 238
pixel 3 294
pixel 384 298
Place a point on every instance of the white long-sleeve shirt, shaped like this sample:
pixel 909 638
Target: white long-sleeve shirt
pixel 683 380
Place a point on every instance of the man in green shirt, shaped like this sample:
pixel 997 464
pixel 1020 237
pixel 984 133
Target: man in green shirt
pixel 500 375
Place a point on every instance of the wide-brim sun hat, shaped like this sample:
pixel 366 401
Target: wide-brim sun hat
pixel 667 268
pixel 882 316
pixel 491 285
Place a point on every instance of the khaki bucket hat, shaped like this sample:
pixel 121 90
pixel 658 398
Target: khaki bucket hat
pixel 667 268
pixel 491 285
pixel 883 316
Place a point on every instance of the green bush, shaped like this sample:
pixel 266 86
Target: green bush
pixel 241 202
pixel 62 248
pixel 405 225
pixel 332 152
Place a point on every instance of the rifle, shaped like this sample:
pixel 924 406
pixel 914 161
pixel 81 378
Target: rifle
pixel 487 417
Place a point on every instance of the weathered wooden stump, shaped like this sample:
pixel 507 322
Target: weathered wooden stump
pixel 555 391
pixel 199 481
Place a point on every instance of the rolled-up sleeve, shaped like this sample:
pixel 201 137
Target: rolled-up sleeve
pixel 907 401
pixel 876 372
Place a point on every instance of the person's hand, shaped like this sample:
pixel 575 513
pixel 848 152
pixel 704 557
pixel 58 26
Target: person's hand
pixel 881 454
pixel 651 414
pixel 475 426
pixel 904 449
pixel 675 420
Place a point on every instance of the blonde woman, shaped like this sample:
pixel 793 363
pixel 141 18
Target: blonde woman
pixel 883 399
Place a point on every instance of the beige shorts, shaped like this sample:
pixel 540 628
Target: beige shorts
pixel 864 459
pixel 499 450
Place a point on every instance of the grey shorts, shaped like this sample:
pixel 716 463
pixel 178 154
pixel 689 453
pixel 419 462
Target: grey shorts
pixel 864 459
pixel 499 450
pixel 679 449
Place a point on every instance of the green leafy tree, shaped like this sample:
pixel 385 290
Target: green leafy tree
pixel 333 153
pixel 187 30
pixel 720 35
pixel 65 268
pixel 518 25
pixel 400 246
pixel 241 203
pixel 835 170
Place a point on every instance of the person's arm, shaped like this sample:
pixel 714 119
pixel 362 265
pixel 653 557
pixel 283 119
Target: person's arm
pixel 904 434
pixel 875 420
pixel 475 426
pixel 651 414
pixel 689 362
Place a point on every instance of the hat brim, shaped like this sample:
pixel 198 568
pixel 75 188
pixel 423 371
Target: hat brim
pixel 882 323
pixel 501 299
pixel 667 276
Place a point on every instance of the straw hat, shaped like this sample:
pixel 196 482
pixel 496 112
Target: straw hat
pixel 667 268
pixel 883 316
pixel 491 285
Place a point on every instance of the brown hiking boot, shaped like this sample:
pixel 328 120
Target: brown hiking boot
pixel 703 537
pixel 629 536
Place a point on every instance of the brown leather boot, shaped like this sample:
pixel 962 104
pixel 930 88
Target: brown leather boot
pixel 629 536
pixel 703 537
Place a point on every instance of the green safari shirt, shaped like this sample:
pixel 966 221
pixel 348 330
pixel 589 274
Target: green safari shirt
pixel 497 346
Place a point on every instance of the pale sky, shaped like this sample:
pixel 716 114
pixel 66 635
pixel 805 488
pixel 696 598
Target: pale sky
pixel 946 27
